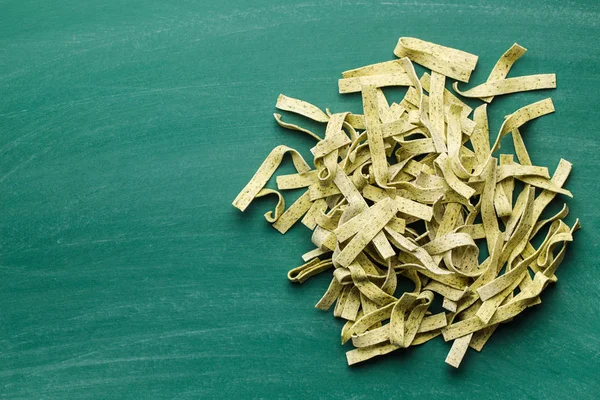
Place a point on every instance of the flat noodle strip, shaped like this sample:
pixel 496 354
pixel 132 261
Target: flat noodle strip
pixel 293 214
pixel 353 85
pixel 510 85
pixel 375 136
pixel 296 181
pixel 301 107
pixel 458 350
pixel 436 103
pixel 453 63
pixel 383 68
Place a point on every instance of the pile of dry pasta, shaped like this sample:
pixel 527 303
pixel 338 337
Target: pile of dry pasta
pixel 420 216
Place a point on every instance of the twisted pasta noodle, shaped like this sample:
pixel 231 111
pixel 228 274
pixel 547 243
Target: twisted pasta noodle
pixel 521 116
pixel 509 85
pixel 264 173
pixel 294 127
pixel 271 216
pixel 310 269
pixel 503 66
pixel 293 214
pixel 326 151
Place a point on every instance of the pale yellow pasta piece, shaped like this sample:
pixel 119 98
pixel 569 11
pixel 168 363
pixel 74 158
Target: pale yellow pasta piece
pixel 372 337
pixel 311 268
pixel 340 303
pixel 336 140
pixel 421 111
pixel 317 207
pixel 296 181
pixel 454 141
pixel 375 136
pixel 370 319
pixel 404 205
pixel 385 113
pixel 502 67
pixel 293 213
pixel 481 337
pixel 318 191
pixel 488 213
pixel 433 322
pixel 476 231
pixel 453 181
pixel 543 183
pixel 458 350
pixel 449 220
pixel 271 216
pixel 353 85
pixel 357 121
pixel 330 296
pixel 446 291
pixel 352 305
pixel 449 98
pixel 520 150
pixel 436 103
pixel 510 85
pixel 363 237
pixel 264 173
pixel 453 63
pixel 452 280
pixel 420 254
pixel 397 224
pixel 313 254
pixel 501 202
pixel 326 151
pixel 352 226
pixel 521 116
pixel 382 68
pixel 507 184
pixel 480 139
pixel 365 353
pixel 514 170
pixel 301 107
pixel 294 127
pixel 368 288
pixel 323 238
pixel 406 318
pixel 558 179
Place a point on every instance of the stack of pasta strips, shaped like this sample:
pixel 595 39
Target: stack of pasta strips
pixel 419 217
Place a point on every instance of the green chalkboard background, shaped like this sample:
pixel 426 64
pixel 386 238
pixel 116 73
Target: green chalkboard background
pixel 126 130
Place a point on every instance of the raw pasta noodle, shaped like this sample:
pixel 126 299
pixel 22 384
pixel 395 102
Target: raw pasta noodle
pixel 413 190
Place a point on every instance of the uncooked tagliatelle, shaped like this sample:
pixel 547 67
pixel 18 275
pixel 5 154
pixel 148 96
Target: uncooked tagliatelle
pixel 424 216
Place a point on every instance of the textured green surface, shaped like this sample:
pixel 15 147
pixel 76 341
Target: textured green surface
pixel 126 130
